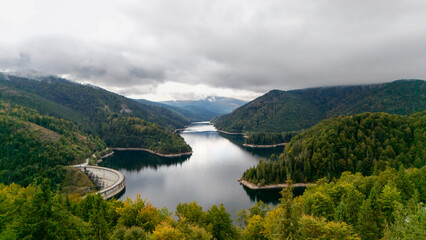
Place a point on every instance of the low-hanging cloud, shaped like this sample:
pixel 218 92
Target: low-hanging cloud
pixel 253 46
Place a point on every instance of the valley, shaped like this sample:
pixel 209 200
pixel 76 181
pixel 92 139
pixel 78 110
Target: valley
pixel 50 123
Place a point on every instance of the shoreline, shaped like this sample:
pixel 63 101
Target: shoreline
pixel 252 145
pixel 106 155
pixel 263 146
pixel 230 132
pixel 272 186
pixel 156 153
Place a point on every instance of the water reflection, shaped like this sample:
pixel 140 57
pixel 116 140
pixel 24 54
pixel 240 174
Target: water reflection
pixel 135 161
pixel 271 196
pixel 262 152
pixel 208 176
pixel 266 195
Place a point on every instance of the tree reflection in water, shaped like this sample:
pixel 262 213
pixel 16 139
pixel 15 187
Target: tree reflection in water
pixel 135 161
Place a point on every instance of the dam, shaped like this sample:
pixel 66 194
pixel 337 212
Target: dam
pixel 111 182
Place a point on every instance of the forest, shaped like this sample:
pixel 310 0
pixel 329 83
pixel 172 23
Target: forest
pixel 365 143
pixel 285 111
pixel 98 112
pixel 134 132
pixel 34 146
pixel 268 138
pixel 351 207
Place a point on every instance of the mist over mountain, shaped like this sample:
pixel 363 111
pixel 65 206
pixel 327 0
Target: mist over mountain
pixel 117 120
pixel 280 111
pixel 199 110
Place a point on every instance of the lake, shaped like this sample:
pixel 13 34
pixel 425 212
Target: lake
pixel 208 176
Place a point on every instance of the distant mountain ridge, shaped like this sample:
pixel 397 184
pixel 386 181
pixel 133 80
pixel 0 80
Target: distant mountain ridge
pixel 281 111
pixel 219 105
pixel 199 110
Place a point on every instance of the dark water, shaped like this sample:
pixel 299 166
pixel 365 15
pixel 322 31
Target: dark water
pixel 208 176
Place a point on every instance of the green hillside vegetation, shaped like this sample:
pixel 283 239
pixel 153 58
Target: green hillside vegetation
pixel 34 145
pixel 268 138
pixel 93 102
pixel 365 143
pixel 97 112
pixel 352 207
pixel 286 111
pixel 76 181
pixel 135 132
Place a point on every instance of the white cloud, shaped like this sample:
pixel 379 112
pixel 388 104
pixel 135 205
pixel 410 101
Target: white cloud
pixel 229 46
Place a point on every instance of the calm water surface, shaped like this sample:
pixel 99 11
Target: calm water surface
pixel 208 176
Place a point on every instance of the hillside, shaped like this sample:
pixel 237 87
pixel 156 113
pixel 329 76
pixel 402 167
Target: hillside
pixel 206 109
pixel 191 113
pixel 92 101
pixel 97 111
pixel 365 143
pixel 36 146
pixel 285 111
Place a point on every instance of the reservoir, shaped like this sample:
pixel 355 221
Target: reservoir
pixel 208 176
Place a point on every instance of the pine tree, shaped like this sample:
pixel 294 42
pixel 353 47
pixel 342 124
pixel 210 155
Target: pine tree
pixel 370 220
pixel 289 218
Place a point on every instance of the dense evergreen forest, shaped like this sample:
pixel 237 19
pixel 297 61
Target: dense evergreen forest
pixel 365 143
pixel 98 112
pixel 131 132
pixel 287 111
pixel 268 138
pixel 351 207
pixel 34 145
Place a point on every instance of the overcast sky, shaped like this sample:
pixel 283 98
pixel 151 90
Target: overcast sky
pixel 188 49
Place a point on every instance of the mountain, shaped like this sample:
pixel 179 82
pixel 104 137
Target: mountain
pixel 191 113
pixel 35 145
pixel 205 109
pixel 367 143
pixel 119 121
pixel 286 111
pixel 91 100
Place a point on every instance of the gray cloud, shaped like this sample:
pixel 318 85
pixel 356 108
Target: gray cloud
pixel 250 45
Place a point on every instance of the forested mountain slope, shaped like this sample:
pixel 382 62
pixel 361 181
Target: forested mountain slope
pixel 119 121
pixel 34 145
pixel 284 111
pixel 93 102
pixel 365 143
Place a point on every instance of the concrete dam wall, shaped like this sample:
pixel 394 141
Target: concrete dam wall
pixel 111 182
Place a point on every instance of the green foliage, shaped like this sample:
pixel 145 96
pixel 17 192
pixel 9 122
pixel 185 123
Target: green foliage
pixel 268 138
pixel 135 132
pixel 409 223
pixel 365 143
pixel 358 208
pixel 113 118
pixel 138 212
pixel 319 228
pixel 35 145
pixel 280 111
pixel 370 221
pixel 191 213
pixel 221 223
pixel 255 229
pixel 320 205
